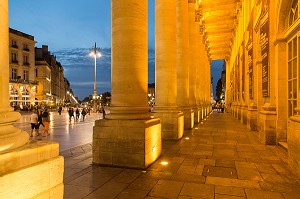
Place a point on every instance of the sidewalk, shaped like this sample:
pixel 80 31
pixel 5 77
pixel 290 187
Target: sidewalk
pixel 219 159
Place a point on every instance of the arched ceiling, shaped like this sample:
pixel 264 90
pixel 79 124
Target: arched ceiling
pixel 218 23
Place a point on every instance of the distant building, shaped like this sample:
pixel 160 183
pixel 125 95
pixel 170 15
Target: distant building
pixel 151 94
pixel 53 86
pixel 22 77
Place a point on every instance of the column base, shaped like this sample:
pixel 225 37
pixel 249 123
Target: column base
pixel 32 171
pixel 126 143
pixel 293 141
pixel 172 123
pixel 252 117
pixel 197 115
pixel 239 112
pixel 188 114
pixel 244 110
pixel 267 125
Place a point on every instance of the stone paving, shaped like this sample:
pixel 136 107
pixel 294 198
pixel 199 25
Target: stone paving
pixel 218 159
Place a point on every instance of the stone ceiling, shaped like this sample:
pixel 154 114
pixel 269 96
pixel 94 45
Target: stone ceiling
pixel 218 20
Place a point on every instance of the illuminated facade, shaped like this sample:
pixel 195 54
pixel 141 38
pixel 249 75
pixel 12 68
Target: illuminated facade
pixel 262 86
pixel 22 71
pixel 53 87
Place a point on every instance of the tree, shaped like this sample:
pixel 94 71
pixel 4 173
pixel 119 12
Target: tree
pixel 219 90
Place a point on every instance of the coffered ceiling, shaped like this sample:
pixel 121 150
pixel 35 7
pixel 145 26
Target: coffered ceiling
pixel 218 22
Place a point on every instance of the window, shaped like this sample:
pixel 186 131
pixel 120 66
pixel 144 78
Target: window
pixel 25 60
pixel 293 16
pixel 26 75
pixel 292 75
pixel 14 73
pixel 25 47
pixel 14 44
pixel 14 58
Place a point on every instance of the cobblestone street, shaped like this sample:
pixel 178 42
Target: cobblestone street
pixel 218 159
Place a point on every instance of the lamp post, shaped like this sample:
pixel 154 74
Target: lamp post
pixel 95 54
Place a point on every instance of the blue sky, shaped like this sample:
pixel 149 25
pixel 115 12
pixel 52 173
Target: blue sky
pixel 70 28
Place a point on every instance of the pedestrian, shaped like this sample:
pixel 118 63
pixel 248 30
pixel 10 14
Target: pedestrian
pixel 59 110
pixel 46 121
pixel 40 120
pixel 77 114
pixel 83 113
pixel 71 113
pixel 34 122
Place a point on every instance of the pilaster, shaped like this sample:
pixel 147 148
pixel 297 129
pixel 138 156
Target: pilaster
pixel 252 117
pixel 267 124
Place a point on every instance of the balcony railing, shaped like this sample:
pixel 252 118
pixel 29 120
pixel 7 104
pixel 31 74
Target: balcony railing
pixel 26 49
pixel 14 61
pixel 22 81
pixel 14 46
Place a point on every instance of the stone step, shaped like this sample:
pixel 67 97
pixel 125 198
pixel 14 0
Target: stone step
pixel 284 145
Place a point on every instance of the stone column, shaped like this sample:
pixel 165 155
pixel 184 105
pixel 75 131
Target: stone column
pixel 198 70
pixel 10 137
pixel 172 120
pixel 128 137
pixel 182 62
pixel 192 57
pixel 35 166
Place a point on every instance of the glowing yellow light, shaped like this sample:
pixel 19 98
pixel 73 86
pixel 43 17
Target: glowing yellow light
pixel 164 163
pixel 196 128
pixel 187 138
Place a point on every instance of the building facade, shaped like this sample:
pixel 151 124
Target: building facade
pixel 22 76
pixel 263 73
pixel 53 88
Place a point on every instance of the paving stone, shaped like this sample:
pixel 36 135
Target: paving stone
pixel 225 163
pixel 143 184
pixel 127 176
pixel 265 168
pixel 218 196
pixel 272 178
pixel 198 190
pixel 255 194
pixel 231 191
pixel 248 174
pixel 280 168
pixel 223 172
pixel 186 169
pixel 76 192
pixel 132 194
pixel 166 189
pixel 157 175
pixel 199 169
pixel 190 162
pixel 245 165
pixel 108 190
pixel 211 162
pixel 188 178
pixel 232 182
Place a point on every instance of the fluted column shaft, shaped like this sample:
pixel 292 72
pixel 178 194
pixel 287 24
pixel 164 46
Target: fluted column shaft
pixel 165 53
pixel 129 59
pixel 10 137
pixel 192 55
pixel 198 69
pixel 182 58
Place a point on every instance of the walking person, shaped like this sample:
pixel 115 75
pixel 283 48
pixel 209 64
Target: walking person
pixel 71 113
pixel 59 110
pixel 77 114
pixel 34 123
pixel 46 121
pixel 83 113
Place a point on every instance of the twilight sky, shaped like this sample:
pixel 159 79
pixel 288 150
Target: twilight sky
pixel 70 28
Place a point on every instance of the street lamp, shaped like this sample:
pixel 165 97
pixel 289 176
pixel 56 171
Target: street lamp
pixel 95 54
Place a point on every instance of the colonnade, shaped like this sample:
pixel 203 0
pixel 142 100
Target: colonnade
pixel 181 72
